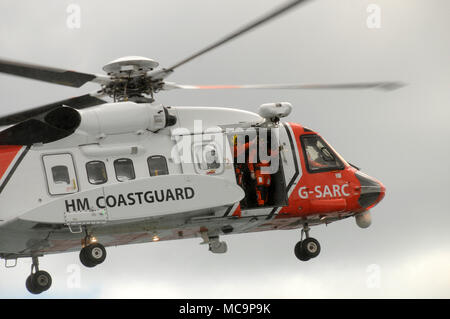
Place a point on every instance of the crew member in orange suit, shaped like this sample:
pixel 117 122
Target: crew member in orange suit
pixel 240 150
pixel 263 179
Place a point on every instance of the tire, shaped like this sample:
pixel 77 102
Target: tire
pixel 29 284
pixel 311 247
pixel 218 247
pixel 299 253
pixel 95 253
pixel 84 260
pixel 41 281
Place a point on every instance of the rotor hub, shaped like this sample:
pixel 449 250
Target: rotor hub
pixel 130 66
pixel 129 79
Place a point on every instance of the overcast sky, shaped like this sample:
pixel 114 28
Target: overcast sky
pixel 400 137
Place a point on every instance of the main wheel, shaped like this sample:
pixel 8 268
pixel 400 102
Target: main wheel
pixel 84 260
pixel 93 255
pixel 29 284
pixel 311 247
pixel 299 252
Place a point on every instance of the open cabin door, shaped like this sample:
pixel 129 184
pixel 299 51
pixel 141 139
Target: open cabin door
pixel 258 167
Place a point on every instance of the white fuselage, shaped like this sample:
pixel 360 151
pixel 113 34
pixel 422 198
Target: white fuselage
pixel 51 188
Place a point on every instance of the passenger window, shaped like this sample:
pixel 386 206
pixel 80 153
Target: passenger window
pixel 211 158
pixel 60 174
pixel 124 169
pixel 96 172
pixel 157 165
pixel 207 157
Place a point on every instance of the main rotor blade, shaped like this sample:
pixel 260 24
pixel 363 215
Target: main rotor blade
pixel 267 17
pixel 79 102
pixel 386 86
pixel 48 74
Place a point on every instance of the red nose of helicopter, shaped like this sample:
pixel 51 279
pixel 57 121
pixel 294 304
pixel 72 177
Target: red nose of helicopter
pixel 372 190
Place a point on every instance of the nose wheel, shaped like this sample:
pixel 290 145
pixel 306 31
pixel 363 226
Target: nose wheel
pixel 307 248
pixel 38 281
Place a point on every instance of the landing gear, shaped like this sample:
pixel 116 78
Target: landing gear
pixel 308 248
pixel 216 246
pixel 299 252
pixel 38 281
pixel 93 253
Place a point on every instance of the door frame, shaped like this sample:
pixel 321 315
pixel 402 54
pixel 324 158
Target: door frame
pixel 47 174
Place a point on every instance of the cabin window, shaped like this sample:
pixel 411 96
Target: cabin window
pixel 96 172
pixel 60 175
pixel 157 165
pixel 124 169
pixel 319 157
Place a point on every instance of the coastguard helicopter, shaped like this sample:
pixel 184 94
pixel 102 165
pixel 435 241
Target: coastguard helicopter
pixel 114 167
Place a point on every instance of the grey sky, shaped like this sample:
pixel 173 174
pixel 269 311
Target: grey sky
pixel 400 137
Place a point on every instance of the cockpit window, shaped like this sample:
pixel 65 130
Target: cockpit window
pixel 319 156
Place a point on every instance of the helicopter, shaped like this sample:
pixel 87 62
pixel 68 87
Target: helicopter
pixel 114 167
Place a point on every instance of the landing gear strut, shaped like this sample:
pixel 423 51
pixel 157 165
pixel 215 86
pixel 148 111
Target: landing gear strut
pixel 307 248
pixel 38 281
pixel 93 253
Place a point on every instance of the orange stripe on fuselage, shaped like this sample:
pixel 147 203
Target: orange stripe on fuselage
pixel 7 155
pixel 237 212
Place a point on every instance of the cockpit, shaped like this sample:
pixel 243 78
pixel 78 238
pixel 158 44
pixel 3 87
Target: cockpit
pixel 319 156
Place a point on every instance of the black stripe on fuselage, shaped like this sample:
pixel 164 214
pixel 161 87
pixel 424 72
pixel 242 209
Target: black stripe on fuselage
pixel 228 211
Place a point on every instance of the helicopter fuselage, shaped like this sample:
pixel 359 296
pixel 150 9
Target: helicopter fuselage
pixel 136 184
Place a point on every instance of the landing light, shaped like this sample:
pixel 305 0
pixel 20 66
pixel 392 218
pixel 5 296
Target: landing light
pixel 155 238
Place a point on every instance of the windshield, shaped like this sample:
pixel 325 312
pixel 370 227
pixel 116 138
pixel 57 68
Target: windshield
pixel 319 156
